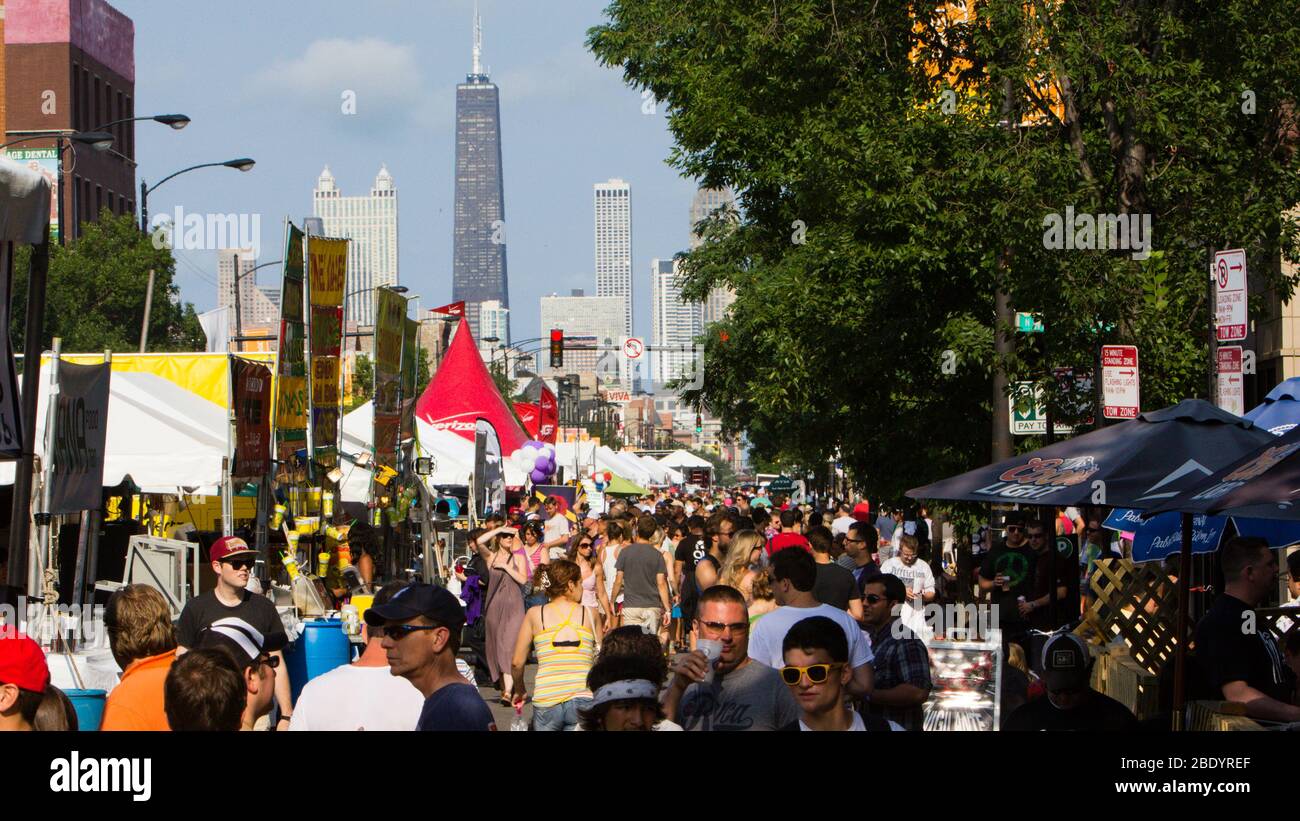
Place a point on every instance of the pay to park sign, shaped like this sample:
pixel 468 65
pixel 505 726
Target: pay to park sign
pixel 1120 390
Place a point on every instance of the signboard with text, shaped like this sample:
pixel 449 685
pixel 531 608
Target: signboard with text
pixel 1229 272
pixel 80 431
pixel 1232 386
pixel 252 389
pixel 1120 388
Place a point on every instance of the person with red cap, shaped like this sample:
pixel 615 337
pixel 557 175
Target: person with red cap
pixel 24 677
pixel 232 561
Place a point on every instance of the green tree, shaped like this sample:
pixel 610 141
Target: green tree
pixel 894 169
pixel 95 293
pixel 363 381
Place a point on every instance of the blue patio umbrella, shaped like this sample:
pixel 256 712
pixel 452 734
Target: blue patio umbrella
pixel 1280 410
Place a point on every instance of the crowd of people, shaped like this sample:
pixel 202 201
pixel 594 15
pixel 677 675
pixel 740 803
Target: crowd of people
pixel 664 613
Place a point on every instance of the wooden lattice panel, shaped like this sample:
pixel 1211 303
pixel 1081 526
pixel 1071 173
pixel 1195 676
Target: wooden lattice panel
pixel 1137 603
pixel 1280 620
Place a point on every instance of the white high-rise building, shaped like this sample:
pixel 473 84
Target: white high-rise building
pixel 593 330
pixel 371 223
pixel 613 201
pixel 493 323
pixel 704 203
pixel 258 307
pixel 675 323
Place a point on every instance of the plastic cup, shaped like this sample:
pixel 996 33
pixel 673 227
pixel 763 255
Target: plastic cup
pixel 712 650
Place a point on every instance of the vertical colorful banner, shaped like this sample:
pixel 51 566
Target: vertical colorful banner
pixel 252 395
pixel 550 412
pixel 410 376
pixel 81 428
pixel 291 364
pixel 327 268
pixel 390 316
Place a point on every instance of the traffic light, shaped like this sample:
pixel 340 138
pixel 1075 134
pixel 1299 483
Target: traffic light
pixel 557 348
pixel 699 423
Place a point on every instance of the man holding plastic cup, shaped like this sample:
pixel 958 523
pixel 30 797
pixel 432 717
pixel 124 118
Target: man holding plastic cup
pixel 717 686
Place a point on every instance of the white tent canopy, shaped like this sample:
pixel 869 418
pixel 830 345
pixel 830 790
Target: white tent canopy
pixel 659 474
pixel 167 439
pixel 621 465
pixel 684 459
pixel 579 456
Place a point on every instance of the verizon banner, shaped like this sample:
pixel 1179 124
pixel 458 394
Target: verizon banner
pixel 11 427
pixel 252 387
pixel 80 428
pixel 530 415
pixel 550 411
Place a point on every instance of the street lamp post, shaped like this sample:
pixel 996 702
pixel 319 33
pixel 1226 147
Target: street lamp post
pixel 242 164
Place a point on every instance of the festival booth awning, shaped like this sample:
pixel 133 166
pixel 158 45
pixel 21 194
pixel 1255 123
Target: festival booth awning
pixel 164 437
pixel 615 463
pixel 1280 410
pixel 462 392
pixel 684 459
pixel 660 473
pixel 1139 464
pixel 619 486
pixel 577 458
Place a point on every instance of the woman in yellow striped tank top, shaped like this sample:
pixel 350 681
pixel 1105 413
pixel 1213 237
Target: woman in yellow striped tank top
pixel 561 634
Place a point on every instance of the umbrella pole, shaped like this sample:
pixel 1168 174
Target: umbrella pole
pixel 1180 649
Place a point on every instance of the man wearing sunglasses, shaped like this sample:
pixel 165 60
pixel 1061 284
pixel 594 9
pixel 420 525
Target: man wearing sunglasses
pixel 817 672
pixel 1006 575
pixel 232 561
pixel 902 663
pixel 422 626
pixel 1071 704
pixel 743 695
pixel 256 655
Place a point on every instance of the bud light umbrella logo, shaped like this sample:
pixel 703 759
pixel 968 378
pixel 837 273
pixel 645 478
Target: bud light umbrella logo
pixel 1039 477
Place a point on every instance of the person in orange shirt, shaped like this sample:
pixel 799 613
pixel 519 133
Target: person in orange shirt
pixel 140 632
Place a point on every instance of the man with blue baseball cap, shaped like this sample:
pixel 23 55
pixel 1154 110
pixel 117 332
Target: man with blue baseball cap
pixel 422 626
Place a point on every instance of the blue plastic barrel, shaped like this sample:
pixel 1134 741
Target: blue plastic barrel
pixel 322 646
pixel 89 706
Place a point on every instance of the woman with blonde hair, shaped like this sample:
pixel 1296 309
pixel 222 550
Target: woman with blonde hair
pixel 764 600
pixel 742 562
pixel 565 649
pixel 504 608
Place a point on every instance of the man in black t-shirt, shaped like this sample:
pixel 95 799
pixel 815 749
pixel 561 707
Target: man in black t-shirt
pixel 1239 658
pixel 1037 607
pixel 1070 704
pixel 690 551
pixel 1006 575
pixel 232 561
pixel 835 585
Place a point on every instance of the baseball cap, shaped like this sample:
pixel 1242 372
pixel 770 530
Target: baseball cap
pixel 228 546
pixel 22 663
pixel 245 641
pixel 1065 662
pixel 862 512
pixel 434 603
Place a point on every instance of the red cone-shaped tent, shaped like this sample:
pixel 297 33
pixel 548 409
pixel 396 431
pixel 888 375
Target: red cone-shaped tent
pixel 462 391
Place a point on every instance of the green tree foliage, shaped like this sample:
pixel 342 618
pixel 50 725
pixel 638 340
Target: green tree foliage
pixel 95 293
pixel 363 381
pixel 894 170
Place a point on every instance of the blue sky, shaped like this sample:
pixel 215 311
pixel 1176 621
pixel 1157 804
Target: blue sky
pixel 265 80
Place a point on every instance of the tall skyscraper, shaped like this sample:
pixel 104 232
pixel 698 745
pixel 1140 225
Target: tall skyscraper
pixel 371 223
pixel 478 264
pixel 494 322
pixel 70 65
pixel 613 201
pixel 258 307
pixel 675 323
pixel 705 202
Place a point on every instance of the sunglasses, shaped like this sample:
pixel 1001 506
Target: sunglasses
pixel 270 661
pixel 401 631
pixel 872 598
pixel 735 627
pixel 507 536
pixel 1016 528
pixel 584 544
pixel 238 564
pixel 817 673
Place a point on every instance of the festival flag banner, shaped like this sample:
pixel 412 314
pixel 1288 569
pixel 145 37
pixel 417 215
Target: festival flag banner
pixel 451 309
pixel 410 376
pixel 81 427
pixel 252 396
pixel 390 314
pixel 549 409
pixel 327 266
pixel 291 365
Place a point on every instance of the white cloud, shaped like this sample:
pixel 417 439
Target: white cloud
pixel 565 75
pixel 384 77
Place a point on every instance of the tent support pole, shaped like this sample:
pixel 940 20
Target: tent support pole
pixel 1180 649
pixel 21 512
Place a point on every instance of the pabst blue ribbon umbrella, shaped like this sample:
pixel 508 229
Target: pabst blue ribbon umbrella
pixel 1280 410
pixel 1137 464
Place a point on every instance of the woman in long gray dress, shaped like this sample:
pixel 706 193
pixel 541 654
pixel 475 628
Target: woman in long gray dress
pixel 505 603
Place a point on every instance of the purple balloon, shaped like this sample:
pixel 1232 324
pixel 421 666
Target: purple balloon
pixel 538 475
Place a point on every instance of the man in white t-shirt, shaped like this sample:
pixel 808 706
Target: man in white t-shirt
pixel 555 535
pixel 794 572
pixel 363 695
pixel 919 580
pixel 842 521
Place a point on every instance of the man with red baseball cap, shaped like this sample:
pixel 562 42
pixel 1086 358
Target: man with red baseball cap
pixel 23 679
pixel 232 561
